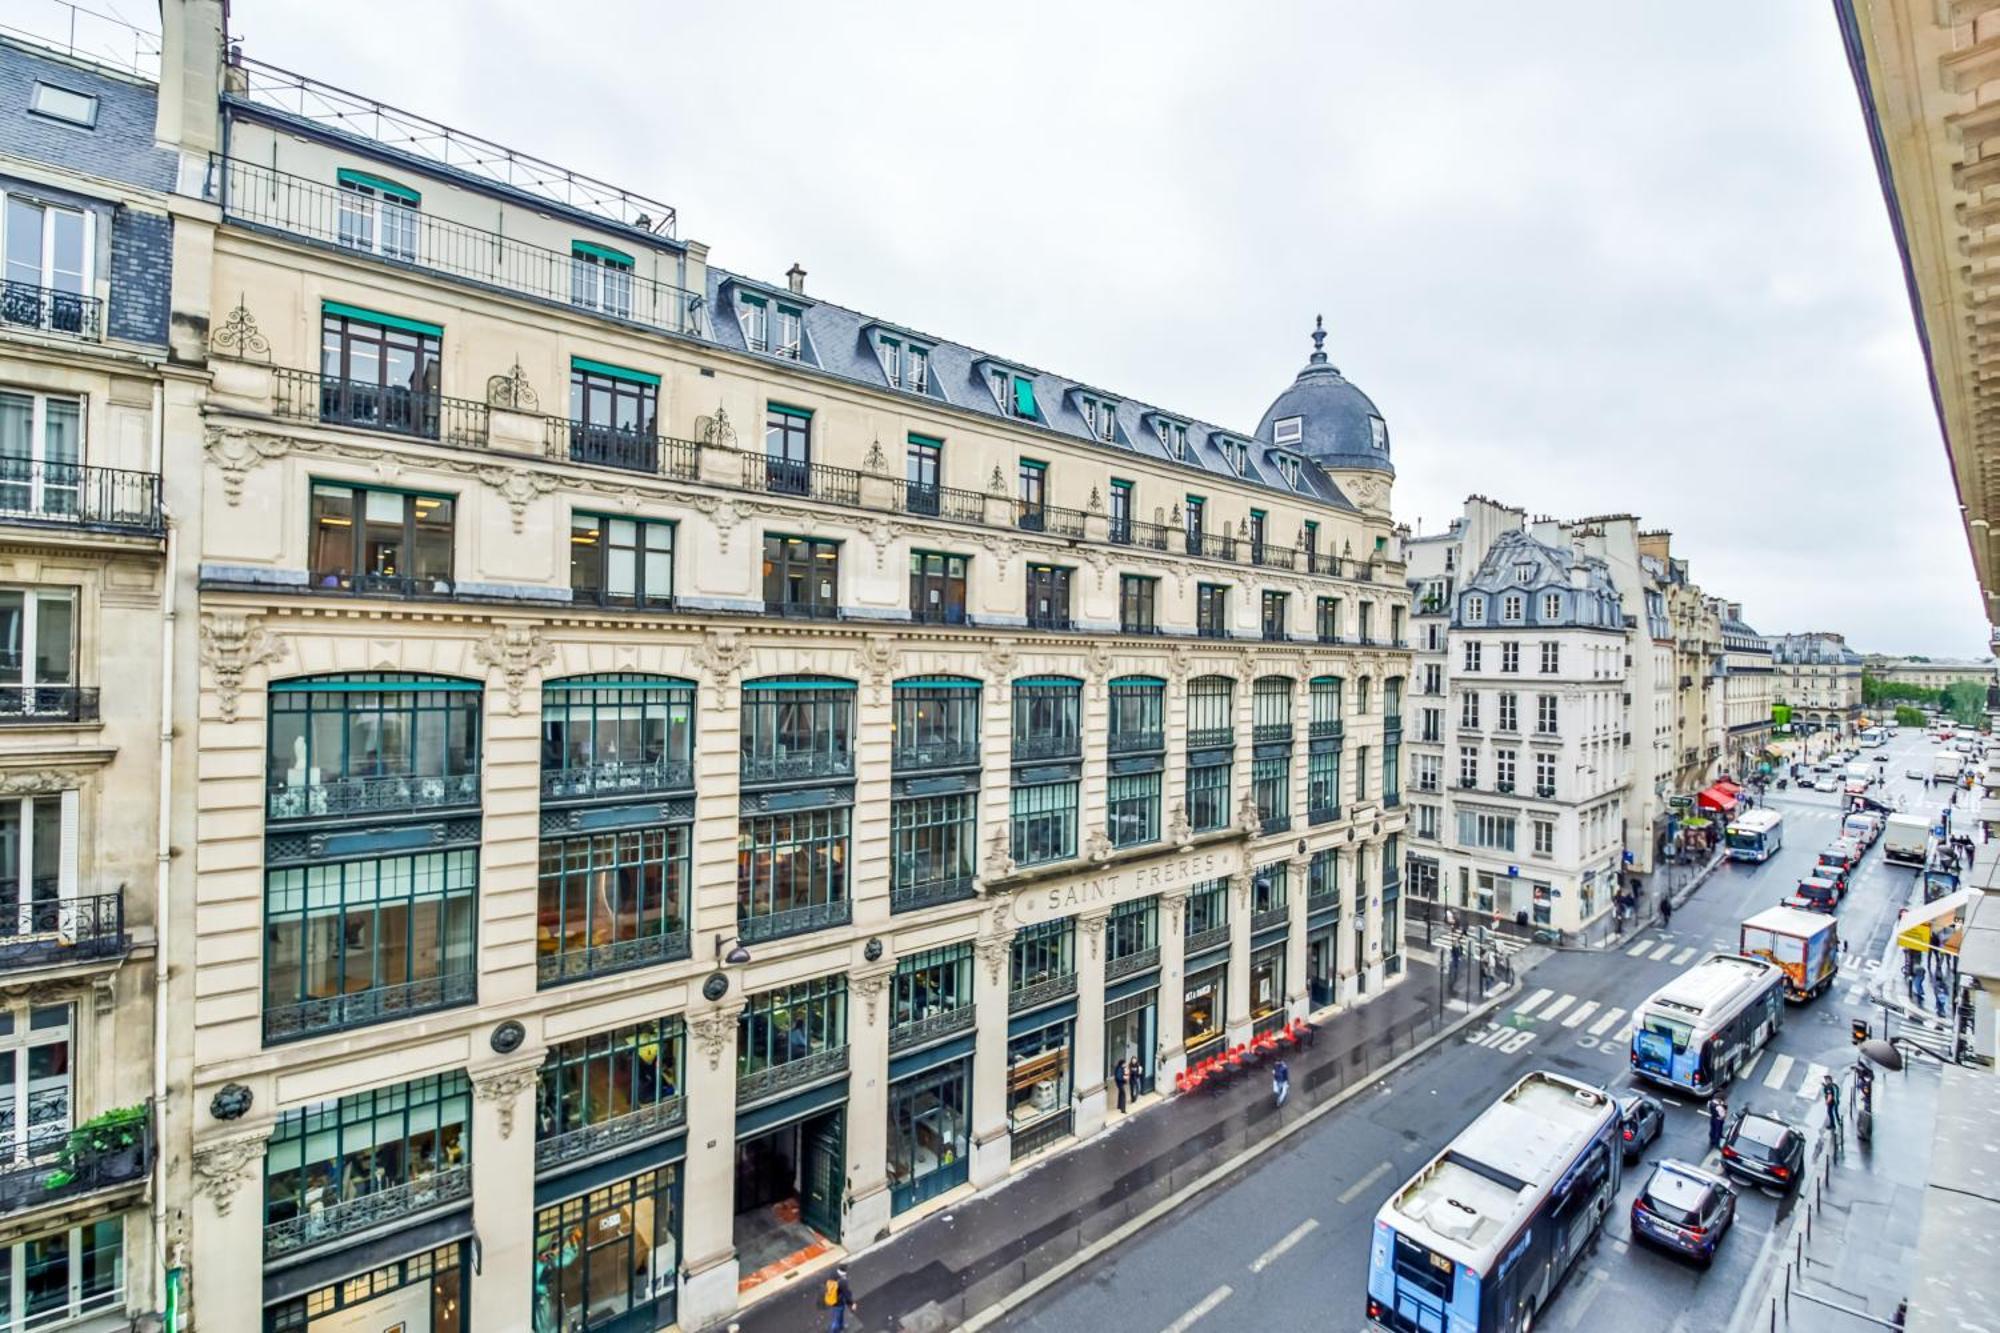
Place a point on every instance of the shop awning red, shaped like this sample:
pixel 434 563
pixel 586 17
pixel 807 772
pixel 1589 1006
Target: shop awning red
pixel 1716 798
pixel 1728 785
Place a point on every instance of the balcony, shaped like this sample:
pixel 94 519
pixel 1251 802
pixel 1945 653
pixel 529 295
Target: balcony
pixel 786 610
pixel 1271 733
pixel 367 1211
pixel 1546 791
pixel 944 502
pixel 1326 729
pixel 109 1151
pixel 1210 545
pixel 421 414
pixel 1061 746
pixel 932 1027
pixel 1275 634
pixel 799 766
pixel 597 960
pixel 40 705
pixel 1132 964
pixel 1504 788
pixel 1050 620
pixel 1148 536
pixel 1212 738
pixel 1468 784
pixel 47 310
pixel 1137 626
pixel 1211 631
pixel 933 893
pixel 771 1080
pixel 393 794
pixel 651 1119
pixel 1201 941
pixel 1055 521
pixel 1270 918
pixel 795 921
pixel 306 209
pixel 1273 557
pixel 1274 823
pixel 783 476
pixel 1322 814
pixel 380 1004
pixel 1137 742
pixel 626 450
pixel 71 495
pixel 616 779
pixel 1326 636
pixel 54 931
pixel 936 755
pixel 1039 993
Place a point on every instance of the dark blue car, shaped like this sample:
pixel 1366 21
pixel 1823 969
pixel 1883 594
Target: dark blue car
pixel 1684 1209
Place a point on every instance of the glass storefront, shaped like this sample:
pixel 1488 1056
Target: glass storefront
pixel 608 1253
pixel 424 1293
pixel 1267 988
pixel 1131 1035
pixel 1039 1079
pixel 1322 949
pixel 930 1120
pixel 1201 1011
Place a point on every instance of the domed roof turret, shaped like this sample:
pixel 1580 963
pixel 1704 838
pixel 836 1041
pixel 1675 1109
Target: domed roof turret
pixel 1326 418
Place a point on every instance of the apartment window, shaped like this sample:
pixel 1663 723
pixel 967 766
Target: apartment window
pixel 1236 454
pixel 801 576
pixel 1173 438
pixel 1324 702
pixel 1427 822
pixel 1271 708
pixel 1138 708
pixel 1257 526
pixel 1328 619
pixel 1510 711
pixel 1545 837
pixel 788 450
pixel 1486 829
pixel 1433 678
pixel 1468 766
pixel 371 743
pixel 905 365
pixel 776 1027
pixel 923 463
pixel 1121 511
pixel 1133 803
pixel 1472 655
pixel 1428 766
pixel 377 215
pixel 611 901
pixel 1102 419
pixel 1323 875
pixel 378 372
pixel 1433 638
pixel 1468 709
pixel 1552 606
pixel 1545 714
pixel 1048 597
pixel 621 561
pixel 1043 822
pixel 1274 604
pixel 1211 703
pixel 41 445
pixel 1361 773
pixel 1503 769
pixel 1323 785
pixel 791 871
pixel 1364 621
pixel 1475 610
pixel 37 648
pixel 1211 611
pixel 366 1143
pixel 780 335
pixel 935 723
pixel 37 1086
pixel 795 729
pixel 1510 656
pixel 1208 798
pixel 936 981
pixel 600 278
pixel 379 541
pixel 1392 769
pixel 606 735
pixel 1047 719
pixel 1511 607
pixel 937 588
pixel 1270 888
pixel 1545 775
pixel 1045 951
pixel 1361 697
pixel 1136 594
pixel 1288 468
pixel 1551 658
pixel 1133 928
pixel 1015 394
pixel 614 416
pixel 1032 478
pixel 637 1070
pixel 1396 625
pixel 1431 724
pixel 1271 789
pixel 932 842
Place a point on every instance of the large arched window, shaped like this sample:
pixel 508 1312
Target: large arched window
pixel 1211 712
pixel 371 743
pixel 1271 709
pixel 935 723
pixel 612 734
pixel 796 728
pixel 1048 718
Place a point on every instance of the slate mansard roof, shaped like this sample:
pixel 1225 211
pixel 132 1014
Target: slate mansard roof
pixel 119 146
pixel 1518 564
pixel 1814 650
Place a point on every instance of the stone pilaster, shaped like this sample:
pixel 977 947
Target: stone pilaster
pixel 708 1242
pixel 229 1230
pixel 992 1145
pixel 1088 1045
pixel 868 1203
pixel 1297 992
pixel 1238 1013
pixel 503 1196
pixel 1173 989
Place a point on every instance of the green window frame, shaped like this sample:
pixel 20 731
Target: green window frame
pixel 1133 928
pixel 595 1251
pixel 371 743
pixel 1271 789
pixel 1323 875
pixel 328 1152
pixel 932 843
pixel 1211 711
pixel 1325 699
pixel 1323 785
pixel 381 185
pixel 1211 610
pixel 790 1023
pixel 1044 951
pixel 796 728
pixel 792 869
pixel 1271 707
pixel 1138 714
pixel 624 562
pixel 1132 809
pixel 612 734
pixel 611 901
pixel 1208 797
pixel 935 981
pixel 1048 718
pixel 1042 822
pixel 1207 907
pixel 1270 887
pixel 373 540
pixel 633 1071
pixel 1138 596
pixel 935 723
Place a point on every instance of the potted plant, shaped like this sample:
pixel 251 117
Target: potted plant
pixel 114 1140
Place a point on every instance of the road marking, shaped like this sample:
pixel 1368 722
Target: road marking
pixel 1779 1068
pixel 1609 1017
pixel 1641 947
pixel 1353 1191
pixel 1853 995
pixel 1743 1074
pixel 1581 1012
pixel 1527 1006
pixel 1809 1085
pixel 1681 959
pixel 1562 1002
pixel 1293 1237
pixel 1663 951
pixel 1208 1303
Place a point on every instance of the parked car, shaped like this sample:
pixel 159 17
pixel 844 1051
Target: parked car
pixel 1916 774
pixel 1844 852
pixel 1814 895
pixel 1760 1146
pixel 1684 1209
pixel 1831 782
pixel 1833 873
pixel 1640 1119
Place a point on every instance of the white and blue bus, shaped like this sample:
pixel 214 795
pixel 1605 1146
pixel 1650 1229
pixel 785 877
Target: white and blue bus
pixel 1479 1240
pixel 1696 1031
pixel 1754 835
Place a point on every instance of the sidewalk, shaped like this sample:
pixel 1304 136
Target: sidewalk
pixel 957 1262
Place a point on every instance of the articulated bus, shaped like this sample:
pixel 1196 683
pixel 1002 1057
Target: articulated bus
pixel 1479 1240
pixel 1754 835
pixel 1695 1032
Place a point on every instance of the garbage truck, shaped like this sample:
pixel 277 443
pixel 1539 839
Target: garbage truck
pixel 1805 946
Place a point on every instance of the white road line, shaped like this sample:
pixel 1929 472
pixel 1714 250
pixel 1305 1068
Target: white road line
pixel 1562 1002
pixel 1349 1194
pixel 1663 951
pixel 1527 1006
pixel 1623 1035
pixel 1641 947
pixel 1208 1303
pixel 1609 1017
pixel 1293 1237
pixel 1779 1068
pixel 1581 1012
pixel 1743 1074
pixel 1809 1085
pixel 1682 958
pixel 1853 995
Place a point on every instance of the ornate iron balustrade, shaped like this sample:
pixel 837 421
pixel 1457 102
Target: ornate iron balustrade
pixel 931 1027
pixel 365 1212
pixel 803 610
pixel 629 450
pixel 1211 631
pixel 54 931
pixel 1392 798
pixel 1137 742
pixel 424 414
pixel 1041 992
pixel 1269 917
pixel 774 1079
pixel 1150 536
pixel 28 705
pixel 1056 620
pixel 940 755
pixel 797 767
pixel 1212 738
pixel 72 495
pixel 335 1013
pixel 1269 733
pixel 394 794
pixel 944 502
pixel 1052 519
pixel 1274 557
pixel 956 889
pixel 47 310
pixel 1047 747
pixel 1322 814
pixel 64 1163
pixel 416 239
pixel 1321 730
pixel 782 476
pixel 1131 964
pixel 596 960
pixel 616 779
pixel 618 1132
pixel 1201 941
pixel 1213 546
pixel 1031 1139
pixel 795 921
pixel 1274 823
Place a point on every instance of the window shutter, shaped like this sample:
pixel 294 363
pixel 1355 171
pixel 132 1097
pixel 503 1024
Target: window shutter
pixel 1024 396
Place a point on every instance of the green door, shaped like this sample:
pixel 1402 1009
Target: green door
pixel 825 1152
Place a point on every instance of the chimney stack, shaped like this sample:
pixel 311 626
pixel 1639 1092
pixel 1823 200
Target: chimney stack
pixel 795 278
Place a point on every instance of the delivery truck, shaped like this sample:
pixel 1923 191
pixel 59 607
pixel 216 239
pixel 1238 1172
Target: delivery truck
pixel 1804 945
pixel 1946 765
pixel 1906 839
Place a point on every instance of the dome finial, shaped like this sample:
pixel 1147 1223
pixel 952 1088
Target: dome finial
pixel 1319 340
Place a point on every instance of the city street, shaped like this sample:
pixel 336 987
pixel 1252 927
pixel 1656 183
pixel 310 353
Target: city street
pixel 1284 1244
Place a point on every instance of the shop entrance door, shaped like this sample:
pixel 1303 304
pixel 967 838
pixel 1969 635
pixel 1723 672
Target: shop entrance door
pixel 825 1150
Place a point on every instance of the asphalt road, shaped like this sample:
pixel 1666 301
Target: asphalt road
pixel 1284 1244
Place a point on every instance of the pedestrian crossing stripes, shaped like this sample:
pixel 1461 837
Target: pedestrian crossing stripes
pixel 1578 1014
pixel 1471 945
pixel 1810 1085
pixel 1749 1067
pixel 1528 1006
pixel 1663 951
pixel 1562 1003
pixel 1643 946
pixel 1682 958
pixel 1604 1023
pixel 1779 1068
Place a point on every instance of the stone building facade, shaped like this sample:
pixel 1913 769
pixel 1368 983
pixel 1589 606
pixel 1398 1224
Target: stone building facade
pixel 1819 678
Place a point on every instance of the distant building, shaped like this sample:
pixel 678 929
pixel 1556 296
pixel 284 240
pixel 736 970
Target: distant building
pixel 1929 673
pixel 1747 674
pixel 1819 677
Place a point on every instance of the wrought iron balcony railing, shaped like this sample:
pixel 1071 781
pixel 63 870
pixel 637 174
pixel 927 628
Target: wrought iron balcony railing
pixel 393 794
pixel 1041 992
pixel 782 476
pixel 1137 742
pixel 54 931
pixel 1201 941
pixel 1322 814
pixel 1131 964
pixel 1211 545
pixel 795 1073
pixel 912 897
pixel 31 705
pixel 1052 519
pixel 73 495
pixel 618 1132
pixel 628 450
pixel 1058 746
pixel 1056 620
pixel 797 767
pixel 1274 823
pixel 1273 557
pixel 1211 738
pixel 47 310
pixel 1270 733
pixel 944 502
pixel 1321 729
pixel 931 1027
pixel 423 414
pixel 935 755
pixel 597 960
pixel 616 779
pixel 63 1163
pixel 1268 918
pixel 794 921
pixel 380 1004
pixel 365 1212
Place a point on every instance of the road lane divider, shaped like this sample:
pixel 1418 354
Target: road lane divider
pixel 1353 1192
pixel 1206 1305
pixel 1292 1237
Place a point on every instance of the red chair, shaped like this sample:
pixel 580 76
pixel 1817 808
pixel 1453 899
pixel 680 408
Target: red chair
pixel 1182 1083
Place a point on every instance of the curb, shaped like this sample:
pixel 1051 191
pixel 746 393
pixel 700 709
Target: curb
pixel 1021 1295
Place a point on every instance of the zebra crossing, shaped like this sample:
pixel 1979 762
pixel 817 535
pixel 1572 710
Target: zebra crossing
pixel 1668 950
pixel 1468 942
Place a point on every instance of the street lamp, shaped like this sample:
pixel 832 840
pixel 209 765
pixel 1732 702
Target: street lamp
pixel 737 956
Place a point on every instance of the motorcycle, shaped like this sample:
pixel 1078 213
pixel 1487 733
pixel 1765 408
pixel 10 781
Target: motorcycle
pixel 1781 784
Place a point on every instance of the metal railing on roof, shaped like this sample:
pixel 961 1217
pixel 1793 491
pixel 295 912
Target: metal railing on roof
pixel 261 84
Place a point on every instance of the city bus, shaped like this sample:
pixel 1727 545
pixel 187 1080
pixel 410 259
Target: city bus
pixel 1694 1032
pixel 1479 1240
pixel 1754 835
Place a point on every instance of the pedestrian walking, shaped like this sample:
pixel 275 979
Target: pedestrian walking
pixel 1666 913
pixel 1118 1076
pixel 1917 986
pixel 1829 1092
pixel 1450 919
pixel 1718 1120
pixel 838 1297
pixel 1281 1082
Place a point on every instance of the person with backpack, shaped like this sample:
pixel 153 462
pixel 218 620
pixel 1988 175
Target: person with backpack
pixel 1281 1082
pixel 838 1297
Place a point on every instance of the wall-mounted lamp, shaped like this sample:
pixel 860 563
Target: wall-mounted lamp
pixel 737 956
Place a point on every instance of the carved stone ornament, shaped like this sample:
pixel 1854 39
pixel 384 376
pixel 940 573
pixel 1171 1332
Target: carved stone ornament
pixel 1176 901
pixel 1179 831
pixel 504 1091
pixel 1097 660
pixel 39 782
pixel 1240 882
pixel 512 392
pixel 518 487
pixel 231 645
pixel 1093 926
pixel 223 1167
pixel 716 430
pixel 997 483
pixel 235 451
pixel 1178 662
pixel 713 1031
pixel 1246 816
pixel 230 1102
pixel 875 461
pixel 994 951
pixel 999 855
pixel 239 336
pixel 514 650
pixel 998 660
pixel 875 659
pixel 1099 847
pixel 720 655
pixel 870 988
pixel 1095 504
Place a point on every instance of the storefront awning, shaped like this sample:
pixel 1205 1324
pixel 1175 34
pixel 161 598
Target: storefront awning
pixel 1915 928
pixel 1716 798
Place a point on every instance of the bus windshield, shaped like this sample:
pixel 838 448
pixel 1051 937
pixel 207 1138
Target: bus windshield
pixel 1745 840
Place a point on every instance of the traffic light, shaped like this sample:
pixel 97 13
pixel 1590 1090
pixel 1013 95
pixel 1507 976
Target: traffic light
pixel 1860 1031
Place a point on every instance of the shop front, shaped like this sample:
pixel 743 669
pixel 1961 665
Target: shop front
pixel 1040 1078
pixel 1131 1038
pixel 1202 1007
pixel 607 1259
pixel 419 1293
pixel 1322 959
pixel 930 1119
pixel 1267 989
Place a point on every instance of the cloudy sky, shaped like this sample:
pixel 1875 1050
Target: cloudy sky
pixel 1587 258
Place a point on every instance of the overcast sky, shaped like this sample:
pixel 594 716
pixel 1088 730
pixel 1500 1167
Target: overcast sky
pixel 1586 258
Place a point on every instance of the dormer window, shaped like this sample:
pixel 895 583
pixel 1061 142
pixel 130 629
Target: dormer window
pixel 1475 610
pixel 1378 434
pixel 1100 417
pixel 782 336
pixel 1524 572
pixel 1173 438
pixel 62 104
pixel 1511 608
pixel 1289 430
pixel 1237 454
pixel 1552 606
pixel 906 365
pixel 1013 394
pixel 1288 468
pixel 600 278
pixel 377 215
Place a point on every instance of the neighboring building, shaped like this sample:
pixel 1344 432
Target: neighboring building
pixel 1696 627
pixel 1929 673
pixel 616 824
pixel 1818 677
pixel 1747 676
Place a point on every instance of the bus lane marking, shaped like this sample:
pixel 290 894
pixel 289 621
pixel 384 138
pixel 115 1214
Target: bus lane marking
pixel 1292 1237
pixel 1353 1191
pixel 1207 1304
